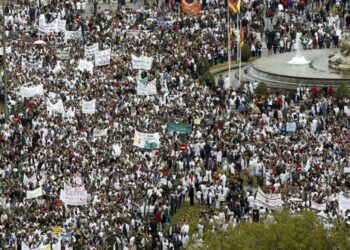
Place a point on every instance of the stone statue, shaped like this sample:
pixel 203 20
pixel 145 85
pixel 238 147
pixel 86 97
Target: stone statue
pixel 341 60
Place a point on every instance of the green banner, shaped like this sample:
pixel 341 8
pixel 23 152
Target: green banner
pixel 179 127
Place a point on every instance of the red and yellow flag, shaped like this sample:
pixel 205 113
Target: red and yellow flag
pixel 234 6
pixel 241 36
pixel 191 7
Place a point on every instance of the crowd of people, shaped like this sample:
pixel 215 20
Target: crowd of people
pixel 133 191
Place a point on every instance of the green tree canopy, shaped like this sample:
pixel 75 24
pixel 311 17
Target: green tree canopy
pixel 286 232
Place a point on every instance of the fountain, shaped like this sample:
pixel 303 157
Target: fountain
pixel 323 67
pixel 298 59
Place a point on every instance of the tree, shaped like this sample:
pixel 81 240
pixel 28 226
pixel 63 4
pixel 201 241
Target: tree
pixel 287 231
pixel 261 89
pixel 342 91
pixel 246 53
pixel 208 79
pixel 203 65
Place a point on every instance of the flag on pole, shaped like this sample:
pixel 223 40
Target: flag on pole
pixel 234 6
pixel 241 36
pixel 191 7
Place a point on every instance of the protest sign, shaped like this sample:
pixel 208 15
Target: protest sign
pixel 29 92
pixel 74 196
pixel 64 54
pixel 100 132
pixel 103 57
pixel 272 201
pixel 344 203
pixel 317 206
pixel 117 150
pixel 57 230
pixel 142 62
pixel 179 127
pixel 291 127
pixel 34 193
pixel 149 88
pixel 55 108
pixel 197 121
pixel 145 140
pixel 72 35
pixel 88 107
pixel 27 180
pixel 347 170
pixel 85 65
pixel 30 66
pixel 91 50
pixel 8 50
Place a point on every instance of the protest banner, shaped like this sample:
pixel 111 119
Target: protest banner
pixel 344 203
pixel 317 206
pixel 8 50
pixel 57 230
pixel 74 196
pixel 179 127
pixel 347 170
pixel 103 57
pixel 29 92
pixel 64 54
pixel 55 108
pixel 291 127
pixel 27 180
pixel 85 65
pixel 88 107
pixel 30 66
pixel 149 88
pixel 272 201
pixel 145 140
pixel 91 50
pixel 117 150
pixel 72 35
pixel 142 62
pixel 34 193
pixel 197 121
pixel 100 132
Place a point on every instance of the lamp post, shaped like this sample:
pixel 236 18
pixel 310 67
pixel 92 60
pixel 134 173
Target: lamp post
pixel 4 61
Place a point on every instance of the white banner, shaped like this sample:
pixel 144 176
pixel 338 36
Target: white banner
pixel 72 35
pixel 29 92
pixel 103 57
pixel 55 108
pixel 344 203
pixel 145 140
pixel 88 107
pixel 347 170
pixel 27 180
pixel 117 150
pixel 91 50
pixel 30 66
pixel 64 54
pixel 149 88
pixel 74 196
pixel 34 193
pixel 86 65
pixel 55 26
pixel 142 62
pixel 272 201
pixel 100 132
pixel 291 127
pixel 8 50
pixel 317 206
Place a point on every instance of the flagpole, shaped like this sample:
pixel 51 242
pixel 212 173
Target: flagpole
pixel 240 56
pixel 228 45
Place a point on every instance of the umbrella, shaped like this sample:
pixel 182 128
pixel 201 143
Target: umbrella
pixel 39 42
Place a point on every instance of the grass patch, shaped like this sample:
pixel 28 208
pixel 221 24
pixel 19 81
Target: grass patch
pixel 189 214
